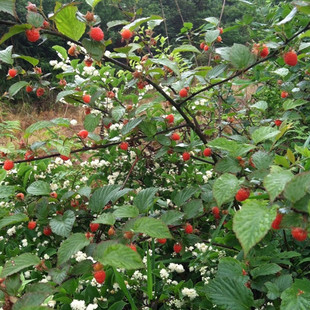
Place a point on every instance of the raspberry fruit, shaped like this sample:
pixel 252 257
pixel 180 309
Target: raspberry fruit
pixel 99 276
pixel 183 93
pixel 72 50
pixel 40 92
pixel 29 89
pixel 83 134
pixel 124 146
pixel 12 72
pixel 216 212
pixel 219 39
pixel 186 156
pixel 29 155
pixel 128 234
pixel 110 94
pixel 207 152
pixel 94 227
pixel 74 203
pixel 87 111
pixel 277 221
pixel 32 225
pixel 221 30
pixel 47 231
pixel 177 248
pixel 20 196
pixel 33 35
pixel 264 52
pixel 133 247
pixel 53 195
pixel 206 48
pixel 299 234
pixel 162 241
pixel 86 99
pixel 111 231
pixel 97 266
pixel 242 194
pixel 175 136
pixel 188 228
pixel 8 165
pixel 65 158
pixel 96 34
pixel 290 58
pixel 170 118
pixel 278 122
pixel 46 24
pixel 202 45
pixel 126 34
pixel 284 94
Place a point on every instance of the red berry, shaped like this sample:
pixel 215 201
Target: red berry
pixel 126 34
pixel 37 70
pixel 216 212
pixel 74 203
pixel 207 152
pixel 110 94
pixel 177 248
pixel 264 52
pixel 183 93
pixel 186 156
pixel 32 225
pixel 170 118
pixel 88 62
pixel 94 227
pixel 20 196
pixel 299 234
pixel 133 247
pixel 65 158
pixel 86 98
pixel 46 24
pixel 242 194
pixel 29 155
pixel 53 195
pixel 278 122
pixel 162 241
pixel 284 94
pixel 219 39
pixel 62 82
pixel 277 221
pixel 188 229
pixel 206 48
pixel 87 110
pixel 29 89
pixel 8 165
pixel 47 231
pixel 99 276
pixel 175 136
pixel 111 231
pixel 124 146
pixel 221 30
pixel 33 35
pixel 40 92
pixel 96 34
pixel 83 134
pixel 290 58
pixel 128 234
pixel 12 72
pixel 202 45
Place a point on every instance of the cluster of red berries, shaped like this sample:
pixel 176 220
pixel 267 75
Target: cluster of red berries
pixel 216 212
pixel 33 35
pixel 204 46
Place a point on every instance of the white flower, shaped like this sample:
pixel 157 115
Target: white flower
pixel 58 161
pixel 54 186
pixel 27 274
pixel 164 273
pixel 11 231
pixel 80 256
pixel 53 63
pixel 73 122
pixel 78 304
pixel 189 292
pixel 24 242
pixel 51 303
pixel 116 287
pixel 46 256
pixel 175 267
pixel 92 307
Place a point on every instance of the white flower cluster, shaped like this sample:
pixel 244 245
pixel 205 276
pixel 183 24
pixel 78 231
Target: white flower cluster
pixel 208 174
pixel 164 274
pixel 176 267
pixel 189 292
pixel 175 302
pixel 80 305
pixel 11 231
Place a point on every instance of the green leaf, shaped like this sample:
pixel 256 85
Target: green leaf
pixel 93 3
pixel 216 71
pixel 117 113
pixel 172 217
pixel 240 56
pixel 91 122
pixel 35 19
pixel 212 20
pixel 31 60
pixel 260 105
pixel 106 218
pixel 131 125
pixel 182 196
pixel 252 223
pixel 225 188
pixel 145 199
pixel 163 140
pixel 16 87
pixel 13 219
pixel 38 126
pixel 8 6
pixel 59 274
pixel 121 256
pixel 231 268
pixel 94 48
pixel 291 104
pixel 65 93
pixel 168 63
pixel 192 208
pixel 14 30
pixel 31 301
pixel 231 293
pixel 186 48
pixel 265 269
pixel 262 160
pixel 6 55
pixel 70 246
pixel 138 22
pixel 39 188
pixel 297 187
pixel 264 133
pixel 67 23
pixel 126 211
pixel 7 191
pixel 297 297
pixel 102 196
pixel 114 23
pixel 18 263
pixel 62 224
pixel 61 50
pixel 275 182
pixel 234 148
pixel 211 36
pixel 119 305
pixel 228 165
pixel 152 227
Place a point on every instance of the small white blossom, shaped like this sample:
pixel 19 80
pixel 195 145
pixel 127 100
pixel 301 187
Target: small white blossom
pixel 189 292
pixel 73 122
pixel 78 304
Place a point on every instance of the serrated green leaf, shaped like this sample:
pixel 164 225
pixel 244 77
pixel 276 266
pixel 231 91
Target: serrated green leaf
pixel 182 196
pixel 8 6
pixel 186 48
pixel 13 219
pixel 16 87
pixel 91 122
pixel 126 211
pixel 262 160
pixel 39 188
pixel 145 199
pixel 18 263
pixel 264 133
pixel 297 187
pixel 31 60
pixel 102 196
pixel 7 191
pixel 211 35
pixel 93 3
pixel 62 224
pixel 291 104
pixel 38 126
pixel 138 22
pixel 225 188
pixel 152 227
pixel 106 218
pixel 117 113
pixel 172 217
pixel 35 19
pixel 131 125
pixel 240 56
pixel 168 63
pixel 252 223
pixel 6 55
pixel 228 165
pixel 265 269
pixel 65 93
pixel 61 50
pixel 260 105
pixel 95 49
pixel 192 208
pixel 70 246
